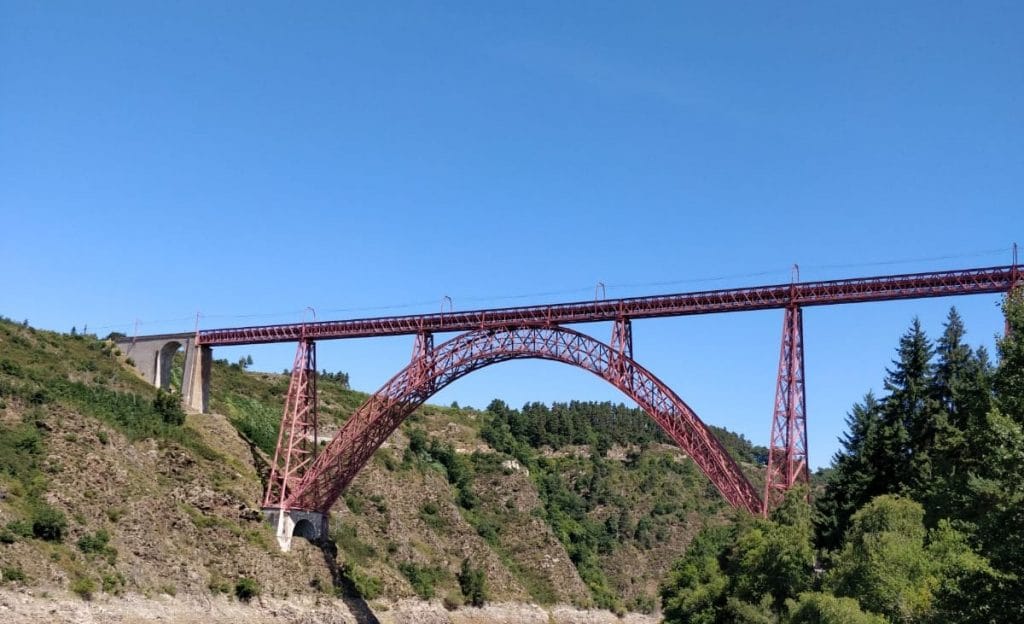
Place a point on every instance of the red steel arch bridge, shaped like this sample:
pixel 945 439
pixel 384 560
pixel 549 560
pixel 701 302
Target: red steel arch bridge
pixel 306 479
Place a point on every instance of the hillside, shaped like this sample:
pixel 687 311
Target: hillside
pixel 106 491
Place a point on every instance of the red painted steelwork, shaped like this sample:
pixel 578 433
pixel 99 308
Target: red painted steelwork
pixel 297 438
pixel 433 369
pixel 882 288
pixel 787 452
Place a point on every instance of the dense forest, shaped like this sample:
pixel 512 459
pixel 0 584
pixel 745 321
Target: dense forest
pixel 922 515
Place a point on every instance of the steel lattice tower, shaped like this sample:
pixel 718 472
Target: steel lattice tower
pixel 787 453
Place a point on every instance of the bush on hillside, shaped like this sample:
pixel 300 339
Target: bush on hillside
pixel 48 523
pixel 246 589
pixel 473 584
pixel 168 406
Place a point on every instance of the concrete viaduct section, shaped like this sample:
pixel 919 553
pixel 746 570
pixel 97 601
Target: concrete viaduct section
pixel 154 355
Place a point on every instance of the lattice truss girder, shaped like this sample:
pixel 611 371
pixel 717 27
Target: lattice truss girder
pixel 434 368
pixel 297 439
pixel 776 296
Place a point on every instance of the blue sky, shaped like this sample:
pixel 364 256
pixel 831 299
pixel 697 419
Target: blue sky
pixel 249 160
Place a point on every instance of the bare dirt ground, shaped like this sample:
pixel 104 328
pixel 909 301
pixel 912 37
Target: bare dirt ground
pixel 34 606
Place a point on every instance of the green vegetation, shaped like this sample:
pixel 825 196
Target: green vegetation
pixel 88 378
pixel 168 406
pixel 246 589
pixel 594 505
pixel 346 537
pixel 97 543
pixel 473 584
pixel 366 586
pixel 12 574
pixel 22 451
pixel 922 517
pixel 599 425
pixel 589 501
pixel 48 523
pixel 84 586
pixel 254 401
pixel 423 578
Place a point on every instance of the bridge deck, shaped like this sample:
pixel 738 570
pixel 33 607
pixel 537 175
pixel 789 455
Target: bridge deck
pixel 833 292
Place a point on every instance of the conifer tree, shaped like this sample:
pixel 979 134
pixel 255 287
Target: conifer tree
pixel 1009 378
pixel 953 370
pixel 908 425
pixel 854 480
pixel 962 389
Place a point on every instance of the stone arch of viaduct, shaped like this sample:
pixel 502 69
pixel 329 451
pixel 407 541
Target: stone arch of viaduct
pixel 154 356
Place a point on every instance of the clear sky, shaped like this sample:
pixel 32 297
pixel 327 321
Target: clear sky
pixel 247 160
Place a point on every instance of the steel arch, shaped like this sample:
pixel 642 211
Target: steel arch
pixel 432 369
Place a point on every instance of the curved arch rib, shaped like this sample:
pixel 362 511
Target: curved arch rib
pixel 381 414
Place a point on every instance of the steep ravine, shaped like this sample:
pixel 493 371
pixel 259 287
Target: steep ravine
pixel 177 508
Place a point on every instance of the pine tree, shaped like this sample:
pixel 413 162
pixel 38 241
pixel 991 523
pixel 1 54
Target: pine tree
pixel 1009 378
pixel 909 424
pixel 954 367
pixel 962 388
pixel 854 480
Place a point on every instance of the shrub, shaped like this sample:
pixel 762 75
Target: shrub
pixel 246 589
pixel 48 523
pixel 429 513
pixel 97 543
pixel 473 584
pixel 169 407
pixel 366 586
pixel 346 536
pixel 19 528
pixel 417 441
pixel 113 583
pixel 645 603
pixel 84 587
pixel 93 543
pixel 354 503
pixel 11 574
pixel 422 578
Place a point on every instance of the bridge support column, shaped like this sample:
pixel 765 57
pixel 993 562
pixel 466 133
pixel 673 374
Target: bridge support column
pixel 297 439
pixel 288 523
pixel 421 367
pixel 196 378
pixel 621 349
pixel 787 453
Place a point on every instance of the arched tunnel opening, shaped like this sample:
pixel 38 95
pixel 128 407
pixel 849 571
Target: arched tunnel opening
pixel 304 528
pixel 169 367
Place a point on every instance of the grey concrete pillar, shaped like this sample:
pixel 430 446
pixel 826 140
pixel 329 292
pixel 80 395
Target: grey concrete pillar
pixel 196 378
